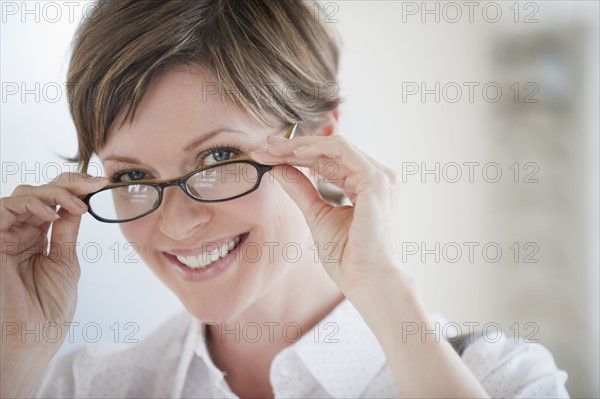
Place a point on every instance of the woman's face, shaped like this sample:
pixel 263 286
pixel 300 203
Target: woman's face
pixel 182 123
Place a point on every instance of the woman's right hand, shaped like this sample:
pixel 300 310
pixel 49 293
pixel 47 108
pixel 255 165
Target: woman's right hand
pixel 38 285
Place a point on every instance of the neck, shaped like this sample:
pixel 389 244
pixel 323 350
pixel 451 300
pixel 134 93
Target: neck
pixel 278 320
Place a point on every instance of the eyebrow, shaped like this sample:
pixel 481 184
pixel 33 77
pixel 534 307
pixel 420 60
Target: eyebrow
pixel 190 147
pixel 194 144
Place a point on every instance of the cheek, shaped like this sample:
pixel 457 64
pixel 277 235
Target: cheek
pixel 138 233
pixel 272 207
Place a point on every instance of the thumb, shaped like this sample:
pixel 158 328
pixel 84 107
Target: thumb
pixel 301 191
pixel 63 239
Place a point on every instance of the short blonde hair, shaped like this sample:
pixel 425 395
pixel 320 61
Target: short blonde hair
pixel 258 51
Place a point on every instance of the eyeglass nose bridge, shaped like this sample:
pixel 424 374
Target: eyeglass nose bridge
pixel 176 182
pixel 181 183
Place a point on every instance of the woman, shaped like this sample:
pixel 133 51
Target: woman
pixel 188 105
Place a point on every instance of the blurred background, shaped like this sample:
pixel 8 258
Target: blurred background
pixel 488 109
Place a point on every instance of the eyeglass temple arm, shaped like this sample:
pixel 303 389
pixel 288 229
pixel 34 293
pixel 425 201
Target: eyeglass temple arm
pixel 84 169
pixel 291 131
pixel 85 165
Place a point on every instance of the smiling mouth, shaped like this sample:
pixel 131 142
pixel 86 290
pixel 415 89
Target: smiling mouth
pixel 205 259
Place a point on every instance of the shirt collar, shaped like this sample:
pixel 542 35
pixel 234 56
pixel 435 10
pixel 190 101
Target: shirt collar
pixel 342 342
pixel 216 375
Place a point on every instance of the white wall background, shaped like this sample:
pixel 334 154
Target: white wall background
pixel 389 46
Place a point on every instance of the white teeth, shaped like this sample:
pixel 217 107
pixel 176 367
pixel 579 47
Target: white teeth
pixel 214 256
pixel 204 260
pixel 223 250
pixel 194 261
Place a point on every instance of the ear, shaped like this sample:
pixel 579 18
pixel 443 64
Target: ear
pixel 331 123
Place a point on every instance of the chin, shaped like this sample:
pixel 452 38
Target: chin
pixel 213 313
pixel 223 296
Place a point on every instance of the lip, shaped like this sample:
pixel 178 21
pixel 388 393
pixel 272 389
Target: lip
pixel 208 246
pixel 211 271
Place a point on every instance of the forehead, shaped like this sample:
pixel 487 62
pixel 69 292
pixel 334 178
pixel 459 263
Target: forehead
pixel 180 96
pixel 178 117
pixel 180 104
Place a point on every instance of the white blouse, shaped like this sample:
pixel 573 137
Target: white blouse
pixel 339 358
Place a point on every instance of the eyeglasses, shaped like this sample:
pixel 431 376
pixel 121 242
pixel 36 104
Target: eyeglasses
pixel 223 181
pixel 219 182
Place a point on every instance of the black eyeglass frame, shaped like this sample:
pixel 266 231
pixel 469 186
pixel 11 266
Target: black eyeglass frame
pixel 181 181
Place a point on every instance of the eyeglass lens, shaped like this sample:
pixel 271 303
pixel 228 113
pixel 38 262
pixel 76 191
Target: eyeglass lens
pixel 214 184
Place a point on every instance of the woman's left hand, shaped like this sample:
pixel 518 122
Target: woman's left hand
pixel 366 267
pixel 356 243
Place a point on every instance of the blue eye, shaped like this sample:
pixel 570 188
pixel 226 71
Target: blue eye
pixel 132 175
pixel 219 154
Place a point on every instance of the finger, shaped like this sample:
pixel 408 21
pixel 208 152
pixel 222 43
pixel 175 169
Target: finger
pixel 358 171
pixel 351 184
pixel 320 164
pixel 23 209
pixel 65 191
pixel 75 183
pixel 53 195
pixel 266 158
pixel 347 156
pixel 333 158
pixel 338 161
pixel 80 184
pixel 329 171
pixel 301 191
pixel 333 147
pixel 63 239
pixel 15 239
pixel 25 206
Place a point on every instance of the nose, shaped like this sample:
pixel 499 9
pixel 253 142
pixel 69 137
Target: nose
pixel 181 216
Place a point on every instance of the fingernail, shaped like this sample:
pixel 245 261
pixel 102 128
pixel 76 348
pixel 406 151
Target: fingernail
pixel 53 212
pixel 79 203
